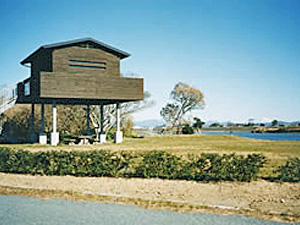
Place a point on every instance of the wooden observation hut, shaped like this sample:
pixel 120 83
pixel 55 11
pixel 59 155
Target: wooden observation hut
pixel 83 72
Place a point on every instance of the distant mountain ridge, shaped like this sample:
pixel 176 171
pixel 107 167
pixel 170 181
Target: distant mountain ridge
pixel 157 123
pixel 149 123
pixel 224 123
pixel 287 123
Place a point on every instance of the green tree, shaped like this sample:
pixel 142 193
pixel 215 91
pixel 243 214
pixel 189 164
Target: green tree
pixel 187 129
pixel 274 123
pixel 216 124
pixel 250 122
pixel 184 99
pixel 230 124
pixel 197 125
pixel 71 120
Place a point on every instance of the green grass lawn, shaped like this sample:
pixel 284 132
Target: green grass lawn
pixel 277 152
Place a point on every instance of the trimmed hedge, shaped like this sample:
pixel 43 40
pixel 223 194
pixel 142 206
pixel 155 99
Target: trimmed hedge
pixel 152 164
pixel 290 172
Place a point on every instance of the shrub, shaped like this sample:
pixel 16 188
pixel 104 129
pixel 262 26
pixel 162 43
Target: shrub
pixel 290 172
pixel 187 129
pixel 228 167
pixel 152 164
pixel 159 164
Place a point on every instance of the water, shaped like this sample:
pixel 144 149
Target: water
pixel 15 210
pixel 262 136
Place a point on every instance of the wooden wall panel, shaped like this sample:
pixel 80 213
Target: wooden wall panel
pixel 62 57
pixel 41 62
pixel 85 86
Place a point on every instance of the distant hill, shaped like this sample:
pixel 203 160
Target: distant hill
pixel 288 123
pixel 210 122
pixel 157 123
pixel 280 123
pixel 148 123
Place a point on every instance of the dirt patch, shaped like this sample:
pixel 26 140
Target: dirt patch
pixel 279 201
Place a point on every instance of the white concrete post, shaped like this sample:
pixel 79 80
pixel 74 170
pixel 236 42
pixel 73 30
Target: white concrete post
pixel 42 134
pixel 54 134
pixel 102 132
pixel 118 116
pixel 54 117
pixel 119 133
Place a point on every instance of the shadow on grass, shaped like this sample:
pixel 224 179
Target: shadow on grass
pixel 278 179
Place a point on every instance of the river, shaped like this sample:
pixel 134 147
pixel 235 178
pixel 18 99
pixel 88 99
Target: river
pixel 261 136
pixel 15 210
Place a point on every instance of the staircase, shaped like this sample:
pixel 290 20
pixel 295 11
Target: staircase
pixel 8 97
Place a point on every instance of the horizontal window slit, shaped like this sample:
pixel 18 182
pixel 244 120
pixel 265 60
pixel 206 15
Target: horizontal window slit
pixel 86 66
pixel 87 62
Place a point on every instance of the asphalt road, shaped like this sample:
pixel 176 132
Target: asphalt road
pixel 16 210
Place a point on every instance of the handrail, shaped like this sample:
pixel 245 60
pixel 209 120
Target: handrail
pixel 8 97
pixel 7 105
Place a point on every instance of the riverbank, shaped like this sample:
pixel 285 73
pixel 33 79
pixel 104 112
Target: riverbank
pixel 260 136
pixel 253 129
pixel 226 129
pixel 267 200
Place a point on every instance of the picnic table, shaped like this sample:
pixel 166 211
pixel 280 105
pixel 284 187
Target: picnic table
pixel 79 140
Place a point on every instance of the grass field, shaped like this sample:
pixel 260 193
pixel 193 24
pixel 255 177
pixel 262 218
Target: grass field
pixel 277 152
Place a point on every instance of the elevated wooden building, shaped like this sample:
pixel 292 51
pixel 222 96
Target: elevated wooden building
pixel 82 71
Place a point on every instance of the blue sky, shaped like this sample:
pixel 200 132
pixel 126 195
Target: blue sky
pixel 243 55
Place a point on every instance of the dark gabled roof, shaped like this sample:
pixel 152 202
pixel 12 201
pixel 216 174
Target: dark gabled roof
pixel 99 44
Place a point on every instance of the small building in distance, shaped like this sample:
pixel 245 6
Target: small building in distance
pixel 83 71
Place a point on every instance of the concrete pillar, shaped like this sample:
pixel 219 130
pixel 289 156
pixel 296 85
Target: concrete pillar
pixel 42 134
pixel 32 125
pixel 54 134
pixel 119 134
pixel 102 131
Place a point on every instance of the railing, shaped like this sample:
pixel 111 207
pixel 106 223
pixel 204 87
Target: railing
pixel 8 97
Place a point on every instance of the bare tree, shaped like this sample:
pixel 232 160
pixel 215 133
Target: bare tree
pixel 127 109
pixel 169 114
pixel 71 119
pixel 184 99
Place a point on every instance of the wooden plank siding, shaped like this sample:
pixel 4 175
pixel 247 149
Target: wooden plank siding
pixel 42 62
pixel 78 73
pixel 85 86
pixel 62 61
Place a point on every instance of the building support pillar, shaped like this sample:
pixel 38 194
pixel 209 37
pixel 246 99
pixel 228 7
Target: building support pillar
pixel 54 134
pixel 42 134
pixel 102 131
pixel 119 133
pixel 88 124
pixel 32 125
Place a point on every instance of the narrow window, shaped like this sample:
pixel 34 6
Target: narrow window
pixel 27 88
pixel 88 64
